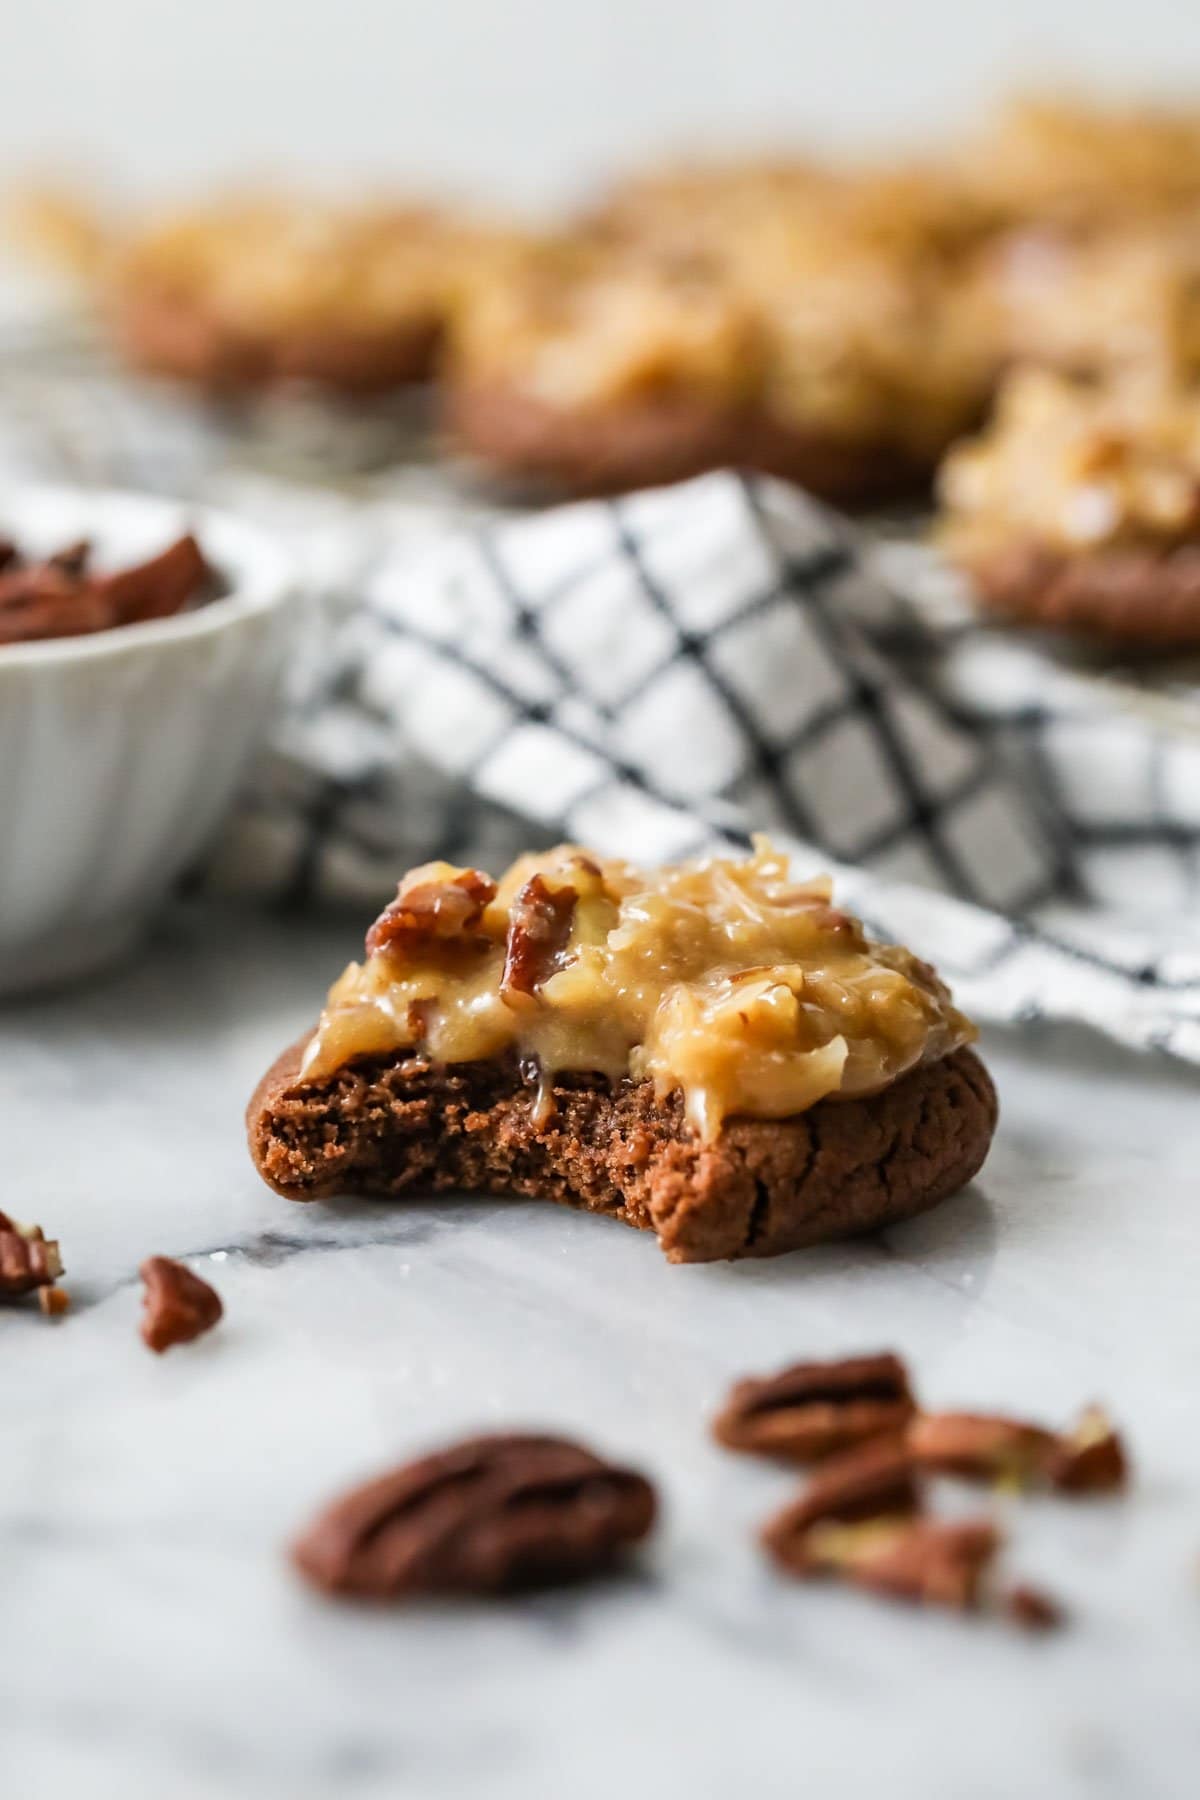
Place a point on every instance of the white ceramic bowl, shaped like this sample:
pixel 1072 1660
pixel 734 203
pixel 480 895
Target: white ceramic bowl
pixel 120 752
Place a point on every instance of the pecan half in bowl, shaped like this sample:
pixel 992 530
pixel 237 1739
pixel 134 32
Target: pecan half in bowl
pixel 709 1051
pixel 120 749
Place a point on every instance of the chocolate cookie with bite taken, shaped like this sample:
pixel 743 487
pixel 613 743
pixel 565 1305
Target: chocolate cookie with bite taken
pixel 710 1051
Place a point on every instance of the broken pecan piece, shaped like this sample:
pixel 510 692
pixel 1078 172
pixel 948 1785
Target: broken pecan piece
pixel 72 558
pixel 989 1447
pixel 489 1515
pixel 981 1447
pixel 860 1519
pixel 59 596
pixel 539 929
pixel 876 1480
pixel 813 1409
pixel 435 901
pixel 1091 1458
pixel 179 1306
pixel 28 1259
pixel 157 588
pixel 931 1561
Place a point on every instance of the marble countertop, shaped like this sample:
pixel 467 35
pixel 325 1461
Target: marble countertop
pixel 154 1642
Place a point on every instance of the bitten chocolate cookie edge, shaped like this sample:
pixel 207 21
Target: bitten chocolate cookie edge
pixel 764 1186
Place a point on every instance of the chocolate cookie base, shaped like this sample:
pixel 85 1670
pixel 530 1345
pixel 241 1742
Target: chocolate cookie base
pixel 166 334
pixel 662 439
pixel 1147 599
pixel 381 1127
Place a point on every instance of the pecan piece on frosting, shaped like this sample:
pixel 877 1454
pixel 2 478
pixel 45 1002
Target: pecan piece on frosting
pixel 539 929
pixel 28 1259
pixel 813 1409
pixel 179 1306
pixel 435 901
pixel 489 1515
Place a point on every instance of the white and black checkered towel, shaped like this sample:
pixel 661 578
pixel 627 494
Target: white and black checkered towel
pixel 655 675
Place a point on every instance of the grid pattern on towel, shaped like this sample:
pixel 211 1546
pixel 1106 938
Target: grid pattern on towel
pixel 657 675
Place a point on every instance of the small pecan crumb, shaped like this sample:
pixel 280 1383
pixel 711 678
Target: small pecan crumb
pixel 435 902
pixel 1091 1459
pixel 178 1305
pixel 54 1301
pixel 539 929
pixel 489 1515
pixel 1033 1609
pixel 813 1409
pixel 28 1259
pixel 981 1447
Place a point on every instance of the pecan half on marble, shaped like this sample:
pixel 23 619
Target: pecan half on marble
pixel 179 1306
pixel 434 902
pixel 28 1259
pixel 490 1515
pixel 539 929
pixel 814 1409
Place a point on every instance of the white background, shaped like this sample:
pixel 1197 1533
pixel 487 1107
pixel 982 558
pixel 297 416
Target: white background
pixel 526 99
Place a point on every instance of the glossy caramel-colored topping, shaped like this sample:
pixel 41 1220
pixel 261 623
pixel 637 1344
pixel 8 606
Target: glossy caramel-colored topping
pixel 727 980
pixel 270 263
pixel 1074 468
pixel 1122 300
pixel 1081 162
pixel 803 313
pixel 573 325
pixel 863 338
